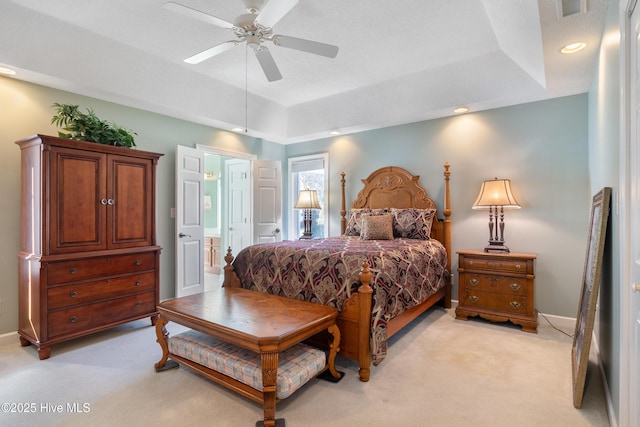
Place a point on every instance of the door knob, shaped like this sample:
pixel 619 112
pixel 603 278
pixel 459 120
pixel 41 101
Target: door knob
pixel 636 287
pixel 184 235
pixel 276 231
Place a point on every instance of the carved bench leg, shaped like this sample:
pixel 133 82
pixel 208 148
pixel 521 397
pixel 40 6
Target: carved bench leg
pixel 269 380
pixel 334 348
pixel 162 336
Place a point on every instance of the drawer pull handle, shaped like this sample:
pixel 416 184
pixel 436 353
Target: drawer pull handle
pixel 103 201
pixel 138 283
pixel 470 262
pixel 138 262
pixel 518 266
pixel 73 319
pixel 515 286
pixel 73 271
pixel 474 298
pixel 73 294
pixel 138 304
pixel 515 304
pixel 473 282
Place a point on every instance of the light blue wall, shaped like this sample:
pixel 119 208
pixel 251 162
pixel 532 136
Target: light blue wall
pixel 604 169
pixel 26 110
pixel 542 147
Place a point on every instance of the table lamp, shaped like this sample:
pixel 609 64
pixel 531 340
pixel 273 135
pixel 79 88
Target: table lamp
pixel 496 194
pixel 307 200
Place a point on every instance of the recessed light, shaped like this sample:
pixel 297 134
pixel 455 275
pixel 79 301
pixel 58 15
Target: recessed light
pixel 461 110
pixel 7 71
pixel 334 132
pixel 573 47
pixel 238 130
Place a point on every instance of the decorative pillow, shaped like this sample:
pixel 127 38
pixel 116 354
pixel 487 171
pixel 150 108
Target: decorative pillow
pixel 355 219
pixel 412 223
pixel 377 227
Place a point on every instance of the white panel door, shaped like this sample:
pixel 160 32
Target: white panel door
pixel 189 221
pixel 238 204
pixel 267 200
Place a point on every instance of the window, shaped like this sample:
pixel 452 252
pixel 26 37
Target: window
pixel 308 173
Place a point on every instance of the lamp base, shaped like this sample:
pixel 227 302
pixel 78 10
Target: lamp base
pixel 496 246
pixel 305 235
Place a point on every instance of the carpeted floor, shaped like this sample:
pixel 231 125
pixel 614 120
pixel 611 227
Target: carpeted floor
pixel 439 372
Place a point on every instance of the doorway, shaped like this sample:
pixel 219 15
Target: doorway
pixel 227 201
pixel 242 205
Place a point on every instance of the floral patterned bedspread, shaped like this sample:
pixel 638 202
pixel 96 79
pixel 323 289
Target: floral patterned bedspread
pixel 325 271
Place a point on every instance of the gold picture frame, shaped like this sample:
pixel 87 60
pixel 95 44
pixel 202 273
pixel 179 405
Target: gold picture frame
pixel 589 294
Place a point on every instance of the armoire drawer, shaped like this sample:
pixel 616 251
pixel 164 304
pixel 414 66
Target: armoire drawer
pixel 82 269
pixel 87 292
pixel 84 317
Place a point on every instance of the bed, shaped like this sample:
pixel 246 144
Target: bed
pixel 379 283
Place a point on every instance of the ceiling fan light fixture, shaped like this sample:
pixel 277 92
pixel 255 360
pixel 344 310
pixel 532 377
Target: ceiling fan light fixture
pixel 573 47
pixel 253 41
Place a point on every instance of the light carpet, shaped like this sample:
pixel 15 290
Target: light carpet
pixel 439 372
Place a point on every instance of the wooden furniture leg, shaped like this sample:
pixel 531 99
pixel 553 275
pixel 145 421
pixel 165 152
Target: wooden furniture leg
pixel 334 348
pixel 162 336
pixel 269 379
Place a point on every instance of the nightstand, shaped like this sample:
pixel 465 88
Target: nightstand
pixel 498 287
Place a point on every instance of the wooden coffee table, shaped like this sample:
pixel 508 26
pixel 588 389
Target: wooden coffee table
pixel 266 324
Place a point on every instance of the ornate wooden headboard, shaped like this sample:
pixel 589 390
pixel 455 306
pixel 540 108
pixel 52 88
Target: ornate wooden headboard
pixel 395 187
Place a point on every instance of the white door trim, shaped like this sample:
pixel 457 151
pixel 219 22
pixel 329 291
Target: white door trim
pixel 224 152
pixel 625 407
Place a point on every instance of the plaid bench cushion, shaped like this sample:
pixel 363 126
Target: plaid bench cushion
pixel 296 365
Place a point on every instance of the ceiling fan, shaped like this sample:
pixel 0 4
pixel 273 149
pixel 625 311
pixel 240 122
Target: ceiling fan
pixel 255 28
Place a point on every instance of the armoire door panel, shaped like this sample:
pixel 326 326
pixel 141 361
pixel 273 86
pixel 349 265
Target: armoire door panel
pixel 130 202
pixel 78 201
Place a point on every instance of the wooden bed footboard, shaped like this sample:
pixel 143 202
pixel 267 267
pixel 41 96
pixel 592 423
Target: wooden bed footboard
pixel 354 321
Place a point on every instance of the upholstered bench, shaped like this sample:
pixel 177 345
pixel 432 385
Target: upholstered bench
pixel 296 365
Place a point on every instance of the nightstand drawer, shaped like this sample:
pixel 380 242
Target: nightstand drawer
pixel 518 304
pixel 491 264
pixel 501 284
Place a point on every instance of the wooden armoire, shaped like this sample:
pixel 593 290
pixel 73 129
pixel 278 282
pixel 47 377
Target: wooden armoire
pixel 88 256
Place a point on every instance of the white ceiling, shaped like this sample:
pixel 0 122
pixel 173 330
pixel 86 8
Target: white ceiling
pixel 400 61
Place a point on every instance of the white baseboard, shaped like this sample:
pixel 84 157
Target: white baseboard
pixel 613 422
pixel 567 324
pixel 9 338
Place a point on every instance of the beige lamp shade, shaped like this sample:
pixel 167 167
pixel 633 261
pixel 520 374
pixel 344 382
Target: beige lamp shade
pixel 496 192
pixel 307 199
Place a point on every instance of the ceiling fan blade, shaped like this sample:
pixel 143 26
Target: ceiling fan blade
pixel 268 64
pixel 211 52
pixel 274 11
pixel 316 48
pixel 196 14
